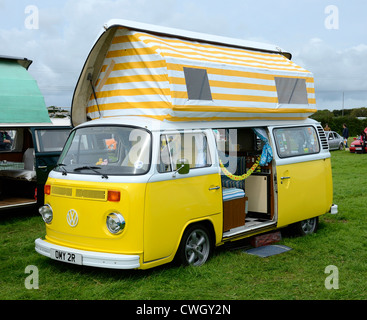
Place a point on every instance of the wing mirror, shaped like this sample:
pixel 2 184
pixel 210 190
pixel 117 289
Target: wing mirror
pixel 182 167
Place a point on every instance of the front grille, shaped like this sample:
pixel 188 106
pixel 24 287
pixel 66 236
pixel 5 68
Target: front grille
pixel 90 194
pixel 62 191
pixel 79 193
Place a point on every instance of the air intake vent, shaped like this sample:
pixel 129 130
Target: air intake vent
pixel 90 194
pixel 323 139
pixel 61 191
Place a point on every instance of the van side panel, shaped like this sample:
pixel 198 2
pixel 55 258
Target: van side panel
pixel 172 204
pixel 305 191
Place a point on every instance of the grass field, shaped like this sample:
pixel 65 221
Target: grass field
pixel 230 274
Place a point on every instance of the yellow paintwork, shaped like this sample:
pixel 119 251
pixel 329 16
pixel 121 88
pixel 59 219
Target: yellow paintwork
pixel 307 193
pixel 173 204
pixel 150 230
pixel 91 232
pixel 157 213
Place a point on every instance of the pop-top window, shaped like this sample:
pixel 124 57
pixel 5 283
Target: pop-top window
pixel 197 84
pixel 291 90
pixel 296 141
pixel 107 150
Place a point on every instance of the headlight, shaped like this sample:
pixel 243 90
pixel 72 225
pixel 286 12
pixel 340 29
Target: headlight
pixel 115 223
pixel 46 213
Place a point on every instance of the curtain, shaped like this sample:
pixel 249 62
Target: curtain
pixel 267 153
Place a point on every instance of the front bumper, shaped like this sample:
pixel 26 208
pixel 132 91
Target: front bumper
pixel 90 258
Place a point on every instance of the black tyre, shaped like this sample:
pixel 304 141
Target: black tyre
pixel 196 246
pixel 305 227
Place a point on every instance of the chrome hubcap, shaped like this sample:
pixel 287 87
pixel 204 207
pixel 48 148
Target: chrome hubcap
pixel 197 248
pixel 308 226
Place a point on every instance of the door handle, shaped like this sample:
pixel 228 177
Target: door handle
pixel 282 178
pixel 214 188
pixel 42 167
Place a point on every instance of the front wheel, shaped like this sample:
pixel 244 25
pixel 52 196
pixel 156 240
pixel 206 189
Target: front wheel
pixel 196 246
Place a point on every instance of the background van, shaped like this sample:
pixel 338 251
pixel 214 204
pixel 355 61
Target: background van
pixel 30 143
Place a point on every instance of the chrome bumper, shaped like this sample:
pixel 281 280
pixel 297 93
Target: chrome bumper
pixel 90 258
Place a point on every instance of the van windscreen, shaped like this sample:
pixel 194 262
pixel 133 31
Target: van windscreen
pixel 107 150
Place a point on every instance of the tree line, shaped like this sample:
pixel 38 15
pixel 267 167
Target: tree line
pixel 355 119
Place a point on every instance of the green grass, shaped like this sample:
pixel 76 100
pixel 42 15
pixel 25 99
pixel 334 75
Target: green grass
pixel 230 274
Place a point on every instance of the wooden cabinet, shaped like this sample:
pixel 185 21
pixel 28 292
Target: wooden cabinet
pixel 234 213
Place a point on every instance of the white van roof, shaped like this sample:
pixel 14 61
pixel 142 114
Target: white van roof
pixel 157 125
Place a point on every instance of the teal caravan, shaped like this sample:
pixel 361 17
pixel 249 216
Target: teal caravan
pixel 30 142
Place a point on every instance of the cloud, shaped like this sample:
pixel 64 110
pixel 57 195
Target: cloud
pixel 65 36
pixel 336 71
pixel 68 29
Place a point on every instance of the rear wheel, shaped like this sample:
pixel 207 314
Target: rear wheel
pixel 196 246
pixel 306 227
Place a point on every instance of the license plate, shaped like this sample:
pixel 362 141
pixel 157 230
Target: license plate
pixel 65 256
pixel 358 148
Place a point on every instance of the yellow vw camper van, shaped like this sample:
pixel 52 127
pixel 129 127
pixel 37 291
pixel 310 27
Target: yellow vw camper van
pixel 183 142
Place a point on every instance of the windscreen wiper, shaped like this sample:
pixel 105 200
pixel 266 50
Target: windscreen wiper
pixel 61 166
pixel 93 168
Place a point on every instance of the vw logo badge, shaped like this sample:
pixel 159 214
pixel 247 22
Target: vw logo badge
pixel 72 218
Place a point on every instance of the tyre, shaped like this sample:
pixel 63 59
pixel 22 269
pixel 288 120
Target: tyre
pixel 306 227
pixel 196 246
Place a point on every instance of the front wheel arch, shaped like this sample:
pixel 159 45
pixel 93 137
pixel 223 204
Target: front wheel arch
pixel 202 251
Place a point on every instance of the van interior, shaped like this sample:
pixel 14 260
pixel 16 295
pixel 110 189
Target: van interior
pixel 250 202
pixel 17 172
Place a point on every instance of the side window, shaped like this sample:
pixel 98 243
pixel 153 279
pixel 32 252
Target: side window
pixel 8 139
pixel 296 141
pixel 164 163
pixel 51 140
pixel 191 146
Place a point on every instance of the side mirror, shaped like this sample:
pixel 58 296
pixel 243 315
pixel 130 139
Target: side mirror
pixel 182 167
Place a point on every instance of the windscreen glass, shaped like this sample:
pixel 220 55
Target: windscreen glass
pixel 107 150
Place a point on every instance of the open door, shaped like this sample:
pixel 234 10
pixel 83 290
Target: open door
pixel 48 145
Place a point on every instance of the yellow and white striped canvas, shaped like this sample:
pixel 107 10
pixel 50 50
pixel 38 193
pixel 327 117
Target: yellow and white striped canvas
pixel 143 75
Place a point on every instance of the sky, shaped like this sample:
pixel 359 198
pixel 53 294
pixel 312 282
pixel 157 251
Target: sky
pixel 326 37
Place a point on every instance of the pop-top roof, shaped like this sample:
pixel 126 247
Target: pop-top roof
pixel 137 69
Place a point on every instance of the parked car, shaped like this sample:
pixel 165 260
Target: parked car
pixel 335 140
pixel 356 145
